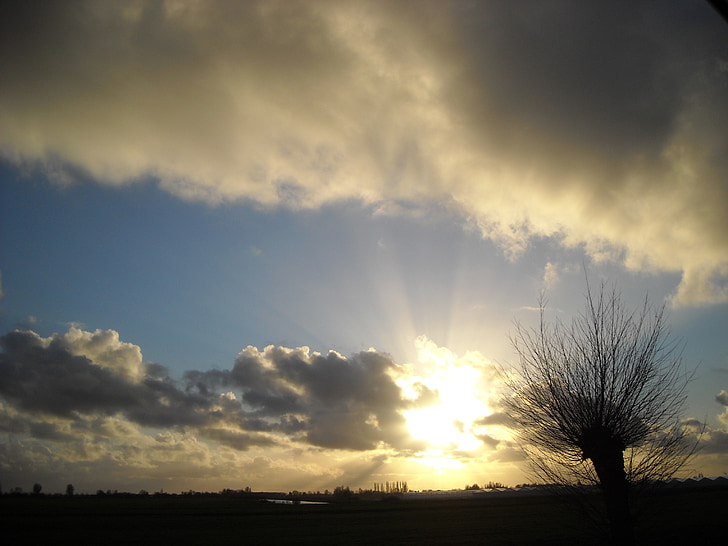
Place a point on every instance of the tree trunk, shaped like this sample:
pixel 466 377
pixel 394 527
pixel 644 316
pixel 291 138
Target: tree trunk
pixel 609 466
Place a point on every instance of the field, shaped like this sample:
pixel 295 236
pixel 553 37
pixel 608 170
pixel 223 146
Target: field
pixel 670 518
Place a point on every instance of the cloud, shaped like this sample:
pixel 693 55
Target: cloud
pixel 722 398
pixel 488 440
pixel 550 275
pixel 284 395
pixel 494 419
pixel 105 350
pixel 45 375
pixel 714 441
pixel 86 403
pixel 84 375
pixel 351 403
pixel 598 127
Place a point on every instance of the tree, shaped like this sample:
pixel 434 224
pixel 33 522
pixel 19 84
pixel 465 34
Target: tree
pixel 69 490
pixel 37 488
pixel 600 400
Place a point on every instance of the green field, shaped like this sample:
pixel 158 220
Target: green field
pixel 671 518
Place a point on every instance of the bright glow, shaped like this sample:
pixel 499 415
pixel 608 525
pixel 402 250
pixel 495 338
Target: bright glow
pixel 448 426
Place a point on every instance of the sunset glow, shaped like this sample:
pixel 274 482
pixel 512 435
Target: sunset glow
pixel 283 244
pixel 457 383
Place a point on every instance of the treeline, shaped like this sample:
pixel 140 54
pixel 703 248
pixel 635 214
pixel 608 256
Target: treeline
pixel 36 491
pixel 489 485
pixel 345 493
pixel 341 492
pixel 391 487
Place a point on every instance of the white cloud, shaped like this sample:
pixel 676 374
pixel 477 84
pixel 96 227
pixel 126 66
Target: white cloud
pixel 300 104
pixel 722 398
pixel 104 349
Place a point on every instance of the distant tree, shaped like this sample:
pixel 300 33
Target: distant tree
pixel 69 490
pixel 600 400
pixel 343 493
pixel 37 488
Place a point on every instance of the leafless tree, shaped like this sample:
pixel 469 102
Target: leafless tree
pixel 599 401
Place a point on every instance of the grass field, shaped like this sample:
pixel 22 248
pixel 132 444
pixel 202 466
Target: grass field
pixel 685 517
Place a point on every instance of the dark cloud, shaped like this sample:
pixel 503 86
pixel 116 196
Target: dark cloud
pixel 692 423
pixel 46 377
pixel 52 380
pixel 347 403
pixel 206 383
pixel 84 407
pixel 488 440
pixel 37 428
pixel 508 452
pixel 494 419
pixel 713 442
pixel 581 72
pixel 241 441
pixel 324 400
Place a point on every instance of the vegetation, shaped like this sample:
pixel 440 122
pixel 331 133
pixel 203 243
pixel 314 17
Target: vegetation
pixel 391 487
pixel 684 516
pixel 488 485
pixel 600 401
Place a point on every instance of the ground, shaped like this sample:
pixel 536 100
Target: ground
pixel 668 518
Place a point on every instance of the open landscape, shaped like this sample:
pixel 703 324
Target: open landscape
pixel 684 515
pixel 347 271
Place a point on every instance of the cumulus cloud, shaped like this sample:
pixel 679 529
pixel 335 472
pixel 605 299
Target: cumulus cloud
pixel 714 442
pixel 285 394
pixel 599 125
pixel 87 400
pixel 722 398
pixel 348 403
pixel 86 404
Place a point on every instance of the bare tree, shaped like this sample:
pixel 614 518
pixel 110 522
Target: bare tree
pixel 600 400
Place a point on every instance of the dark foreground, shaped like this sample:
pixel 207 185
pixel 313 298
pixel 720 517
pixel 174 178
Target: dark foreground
pixel 684 517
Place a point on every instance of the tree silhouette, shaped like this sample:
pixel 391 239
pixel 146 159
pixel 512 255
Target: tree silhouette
pixel 721 6
pixel 600 400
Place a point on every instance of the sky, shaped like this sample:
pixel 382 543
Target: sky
pixel 283 245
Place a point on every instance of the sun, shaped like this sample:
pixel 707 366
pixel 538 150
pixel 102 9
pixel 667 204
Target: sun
pixel 448 426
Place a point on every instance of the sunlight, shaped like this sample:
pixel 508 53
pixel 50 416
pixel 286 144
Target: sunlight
pixel 447 427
